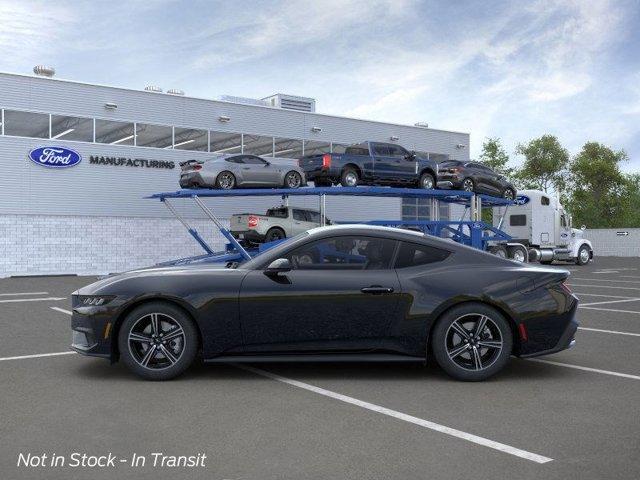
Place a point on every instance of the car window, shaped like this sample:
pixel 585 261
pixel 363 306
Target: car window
pixel 300 215
pixel 381 150
pixel 544 200
pixel 397 151
pixel 253 160
pixel 344 253
pixel 313 216
pixel 359 149
pixel 280 212
pixel 414 254
pixel 238 159
pixel 473 165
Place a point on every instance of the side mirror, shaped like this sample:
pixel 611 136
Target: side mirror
pixel 267 164
pixel 279 265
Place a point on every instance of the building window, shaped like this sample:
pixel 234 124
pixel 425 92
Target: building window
pixel 312 147
pixel 157 136
pixel 287 148
pixel 71 128
pixel 26 124
pixel 190 139
pixel 258 145
pixel 224 142
pixel 114 133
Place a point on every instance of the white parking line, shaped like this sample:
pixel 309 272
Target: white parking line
pixel 609 331
pixel 605 286
pixel 599 295
pixel 606 280
pixel 49 299
pixel 586 369
pixel 608 309
pixel 22 293
pixel 609 301
pixel 629 276
pixel 402 416
pixel 61 310
pixel 39 355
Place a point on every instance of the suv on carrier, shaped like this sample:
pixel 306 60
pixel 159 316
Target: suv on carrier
pixel 475 177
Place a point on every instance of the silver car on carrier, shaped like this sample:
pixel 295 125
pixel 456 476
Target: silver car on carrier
pixel 242 170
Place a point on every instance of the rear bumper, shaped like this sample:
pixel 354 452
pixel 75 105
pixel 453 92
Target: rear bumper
pixel 249 235
pixel 192 180
pixel 564 342
pixel 320 173
pixel 454 180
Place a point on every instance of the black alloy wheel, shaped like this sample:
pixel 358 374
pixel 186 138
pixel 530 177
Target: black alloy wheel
pixel 274 234
pixel 226 180
pixel 292 179
pixel 468 185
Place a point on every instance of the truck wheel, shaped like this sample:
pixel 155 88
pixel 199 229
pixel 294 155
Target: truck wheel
pixel 584 255
pixel 498 251
pixel 468 185
pixel 518 254
pixel 427 182
pixel 226 180
pixel 349 177
pixel 274 234
pixel 546 262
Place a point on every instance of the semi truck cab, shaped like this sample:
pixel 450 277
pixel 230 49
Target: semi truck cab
pixel 540 222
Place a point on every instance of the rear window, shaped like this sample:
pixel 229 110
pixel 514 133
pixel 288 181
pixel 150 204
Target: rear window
pixel 357 150
pixel 277 212
pixel 413 254
pixel 517 220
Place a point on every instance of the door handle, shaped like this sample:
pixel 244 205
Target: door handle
pixel 376 290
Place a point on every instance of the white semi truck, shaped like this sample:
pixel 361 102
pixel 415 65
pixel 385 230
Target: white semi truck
pixel 540 223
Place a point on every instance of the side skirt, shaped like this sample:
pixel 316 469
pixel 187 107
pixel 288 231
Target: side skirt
pixel 343 357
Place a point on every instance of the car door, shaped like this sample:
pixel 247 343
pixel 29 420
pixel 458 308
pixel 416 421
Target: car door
pixel 383 162
pixel 258 171
pixel 341 295
pixel 300 221
pixel 475 171
pixel 403 165
pixel 493 180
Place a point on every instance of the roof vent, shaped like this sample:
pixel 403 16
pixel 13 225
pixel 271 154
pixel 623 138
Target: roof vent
pixel 243 100
pixel 292 102
pixel 153 88
pixel 44 71
pixel 422 124
pixel 175 91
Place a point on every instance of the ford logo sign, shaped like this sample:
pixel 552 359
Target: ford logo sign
pixel 522 200
pixel 55 157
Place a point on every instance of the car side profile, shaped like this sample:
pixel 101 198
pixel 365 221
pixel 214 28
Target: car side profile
pixel 476 177
pixel 238 171
pixel 338 293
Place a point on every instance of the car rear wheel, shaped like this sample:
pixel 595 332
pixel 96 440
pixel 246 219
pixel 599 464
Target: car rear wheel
pixel 274 234
pixel 226 180
pixel 349 178
pixel 472 342
pixel 584 255
pixel 158 341
pixel 292 179
pixel 468 185
pixel 427 181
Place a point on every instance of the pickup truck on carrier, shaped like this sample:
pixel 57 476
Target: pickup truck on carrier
pixel 276 224
pixel 371 163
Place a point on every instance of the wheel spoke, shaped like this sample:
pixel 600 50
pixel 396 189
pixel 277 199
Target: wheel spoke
pixel 490 343
pixel 457 351
pixel 148 356
pixel 477 360
pixel 461 330
pixel 155 328
pixel 138 337
pixel 176 332
pixel 167 353
pixel 480 325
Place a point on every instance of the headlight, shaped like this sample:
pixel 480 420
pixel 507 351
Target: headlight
pixel 95 300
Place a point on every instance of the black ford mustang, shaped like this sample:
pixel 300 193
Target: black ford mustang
pixel 340 293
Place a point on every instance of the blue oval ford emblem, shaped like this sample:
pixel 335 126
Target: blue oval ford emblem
pixel 55 157
pixel 521 200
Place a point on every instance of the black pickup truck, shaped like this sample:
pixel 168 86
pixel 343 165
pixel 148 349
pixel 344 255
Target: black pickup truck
pixel 371 163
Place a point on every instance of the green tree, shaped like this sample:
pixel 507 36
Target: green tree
pixel 545 164
pixel 495 156
pixel 600 193
pixel 632 214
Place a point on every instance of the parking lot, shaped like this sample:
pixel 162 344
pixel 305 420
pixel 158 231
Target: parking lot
pixel 570 415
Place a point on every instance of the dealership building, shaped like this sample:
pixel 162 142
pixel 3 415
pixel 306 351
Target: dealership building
pixel 93 218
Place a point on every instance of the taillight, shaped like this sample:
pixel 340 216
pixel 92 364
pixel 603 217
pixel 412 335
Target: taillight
pixel 197 167
pixel 566 288
pixel 253 221
pixel 522 330
pixel 326 161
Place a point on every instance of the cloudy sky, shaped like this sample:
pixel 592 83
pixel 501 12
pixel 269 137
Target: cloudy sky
pixel 514 70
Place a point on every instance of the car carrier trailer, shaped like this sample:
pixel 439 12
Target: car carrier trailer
pixel 471 231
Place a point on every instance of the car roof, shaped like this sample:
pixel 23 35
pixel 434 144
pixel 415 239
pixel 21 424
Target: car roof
pixel 362 227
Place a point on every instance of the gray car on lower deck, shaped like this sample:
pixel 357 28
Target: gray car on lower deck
pixel 242 170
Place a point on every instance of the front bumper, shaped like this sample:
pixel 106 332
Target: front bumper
pixel 454 180
pixel 92 330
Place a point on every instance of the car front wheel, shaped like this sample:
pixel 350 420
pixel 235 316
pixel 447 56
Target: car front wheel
pixel 158 341
pixel 472 342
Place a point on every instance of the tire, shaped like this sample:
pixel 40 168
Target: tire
pixel 517 254
pixel 169 358
pixel 509 194
pixel 349 177
pixel 584 255
pixel 498 251
pixel 479 355
pixel 274 234
pixel 226 180
pixel 427 181
pixel 468 185
pixel 292 180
